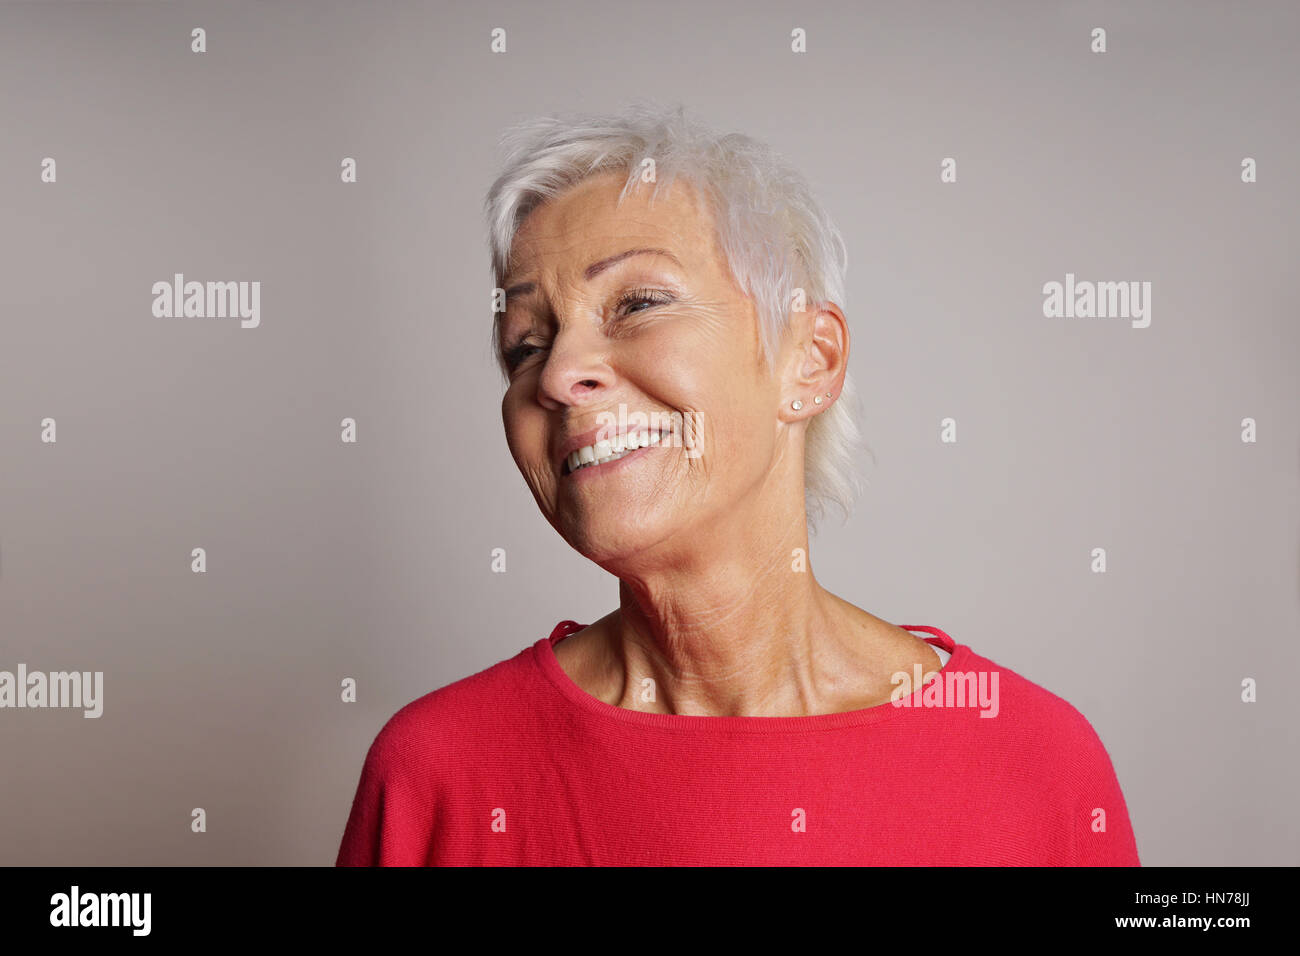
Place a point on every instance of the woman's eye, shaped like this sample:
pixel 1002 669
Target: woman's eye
pixel 518 353
pixel 649 297
pixel 629 303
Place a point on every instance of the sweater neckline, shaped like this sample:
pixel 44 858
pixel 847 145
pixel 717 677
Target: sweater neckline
pixel 544 656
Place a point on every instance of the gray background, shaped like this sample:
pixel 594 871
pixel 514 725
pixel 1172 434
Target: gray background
pixel 328 560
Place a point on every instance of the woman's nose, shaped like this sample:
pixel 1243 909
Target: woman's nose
pixel 576 366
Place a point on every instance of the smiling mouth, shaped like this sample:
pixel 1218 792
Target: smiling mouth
pixel 607 450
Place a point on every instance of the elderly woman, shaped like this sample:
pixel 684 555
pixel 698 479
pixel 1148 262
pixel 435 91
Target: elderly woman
pixel 670 324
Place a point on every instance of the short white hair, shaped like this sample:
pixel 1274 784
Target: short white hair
pixel 774 235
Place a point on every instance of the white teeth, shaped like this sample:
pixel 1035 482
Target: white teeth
pixel 611 449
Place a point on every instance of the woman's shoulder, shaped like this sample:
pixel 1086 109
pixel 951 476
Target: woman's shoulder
pixel 455 714
pixel 1061 763
pixel 1041 721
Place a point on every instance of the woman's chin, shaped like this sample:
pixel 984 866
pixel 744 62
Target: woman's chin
pixel 610 540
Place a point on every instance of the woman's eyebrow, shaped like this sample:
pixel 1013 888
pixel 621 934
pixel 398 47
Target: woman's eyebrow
pixel 596 268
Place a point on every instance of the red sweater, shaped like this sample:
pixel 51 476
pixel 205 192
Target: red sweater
pixel 519 765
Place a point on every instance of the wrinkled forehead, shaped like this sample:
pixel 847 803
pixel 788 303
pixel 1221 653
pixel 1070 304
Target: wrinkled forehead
pixel 587 221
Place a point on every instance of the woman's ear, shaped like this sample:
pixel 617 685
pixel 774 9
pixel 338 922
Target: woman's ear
pixel 816 357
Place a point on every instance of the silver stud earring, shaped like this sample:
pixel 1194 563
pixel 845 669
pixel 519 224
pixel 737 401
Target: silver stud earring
pixel 796 404
pixel 828 394
pixel 817 399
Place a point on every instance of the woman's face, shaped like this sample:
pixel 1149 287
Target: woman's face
pixel 591 337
